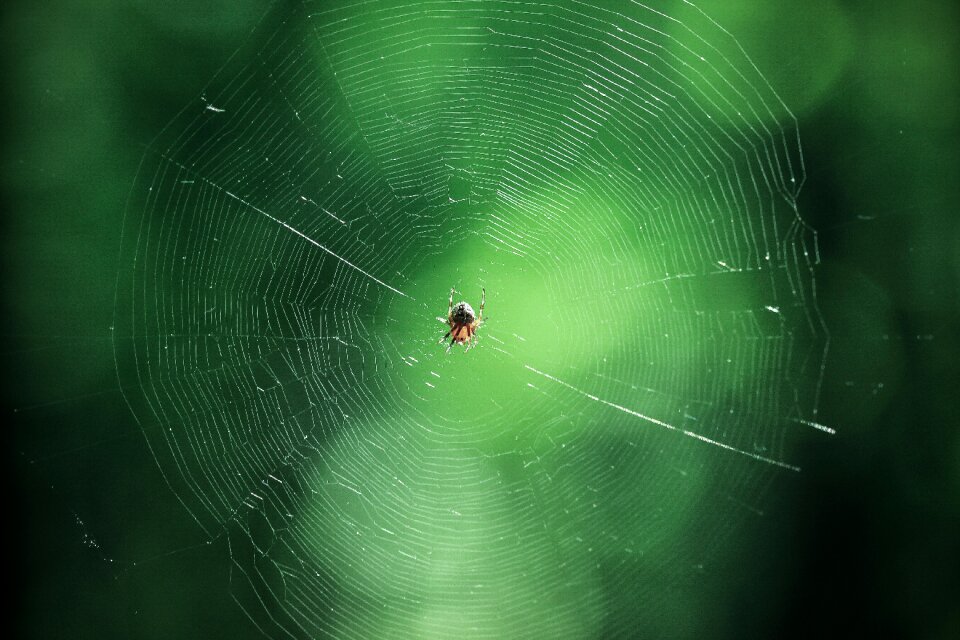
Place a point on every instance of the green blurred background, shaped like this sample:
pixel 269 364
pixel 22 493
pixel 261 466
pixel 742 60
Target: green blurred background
pixel 863 541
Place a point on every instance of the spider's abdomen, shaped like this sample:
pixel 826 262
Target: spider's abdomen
pixel 462 313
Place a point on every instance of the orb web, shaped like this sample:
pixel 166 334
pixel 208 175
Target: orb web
pixel 622 181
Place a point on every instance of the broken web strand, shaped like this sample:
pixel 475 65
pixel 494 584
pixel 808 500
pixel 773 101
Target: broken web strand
pixel 623 182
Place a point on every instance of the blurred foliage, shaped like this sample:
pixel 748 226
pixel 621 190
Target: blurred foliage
pixel 864 540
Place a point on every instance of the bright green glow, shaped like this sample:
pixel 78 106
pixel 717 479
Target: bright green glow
pixel 818 32
pixel 459 551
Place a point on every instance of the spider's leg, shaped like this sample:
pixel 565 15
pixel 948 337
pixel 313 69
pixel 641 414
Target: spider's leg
pixel 450 306
pixel 470 330
pixel 443 320
pixel 455 329
pixel 483 301
pixel 452 340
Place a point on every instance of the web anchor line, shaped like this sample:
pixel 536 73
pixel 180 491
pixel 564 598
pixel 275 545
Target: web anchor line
pixel 286 226
pixel 667 425
pixel 817 425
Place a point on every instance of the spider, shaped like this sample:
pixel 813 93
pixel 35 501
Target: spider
pixel 463 323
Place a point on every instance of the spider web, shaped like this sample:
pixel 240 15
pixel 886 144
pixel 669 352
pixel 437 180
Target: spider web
pixel 622 181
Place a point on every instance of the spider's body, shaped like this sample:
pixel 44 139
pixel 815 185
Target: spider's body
pixel 462 313
pixel 462 321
